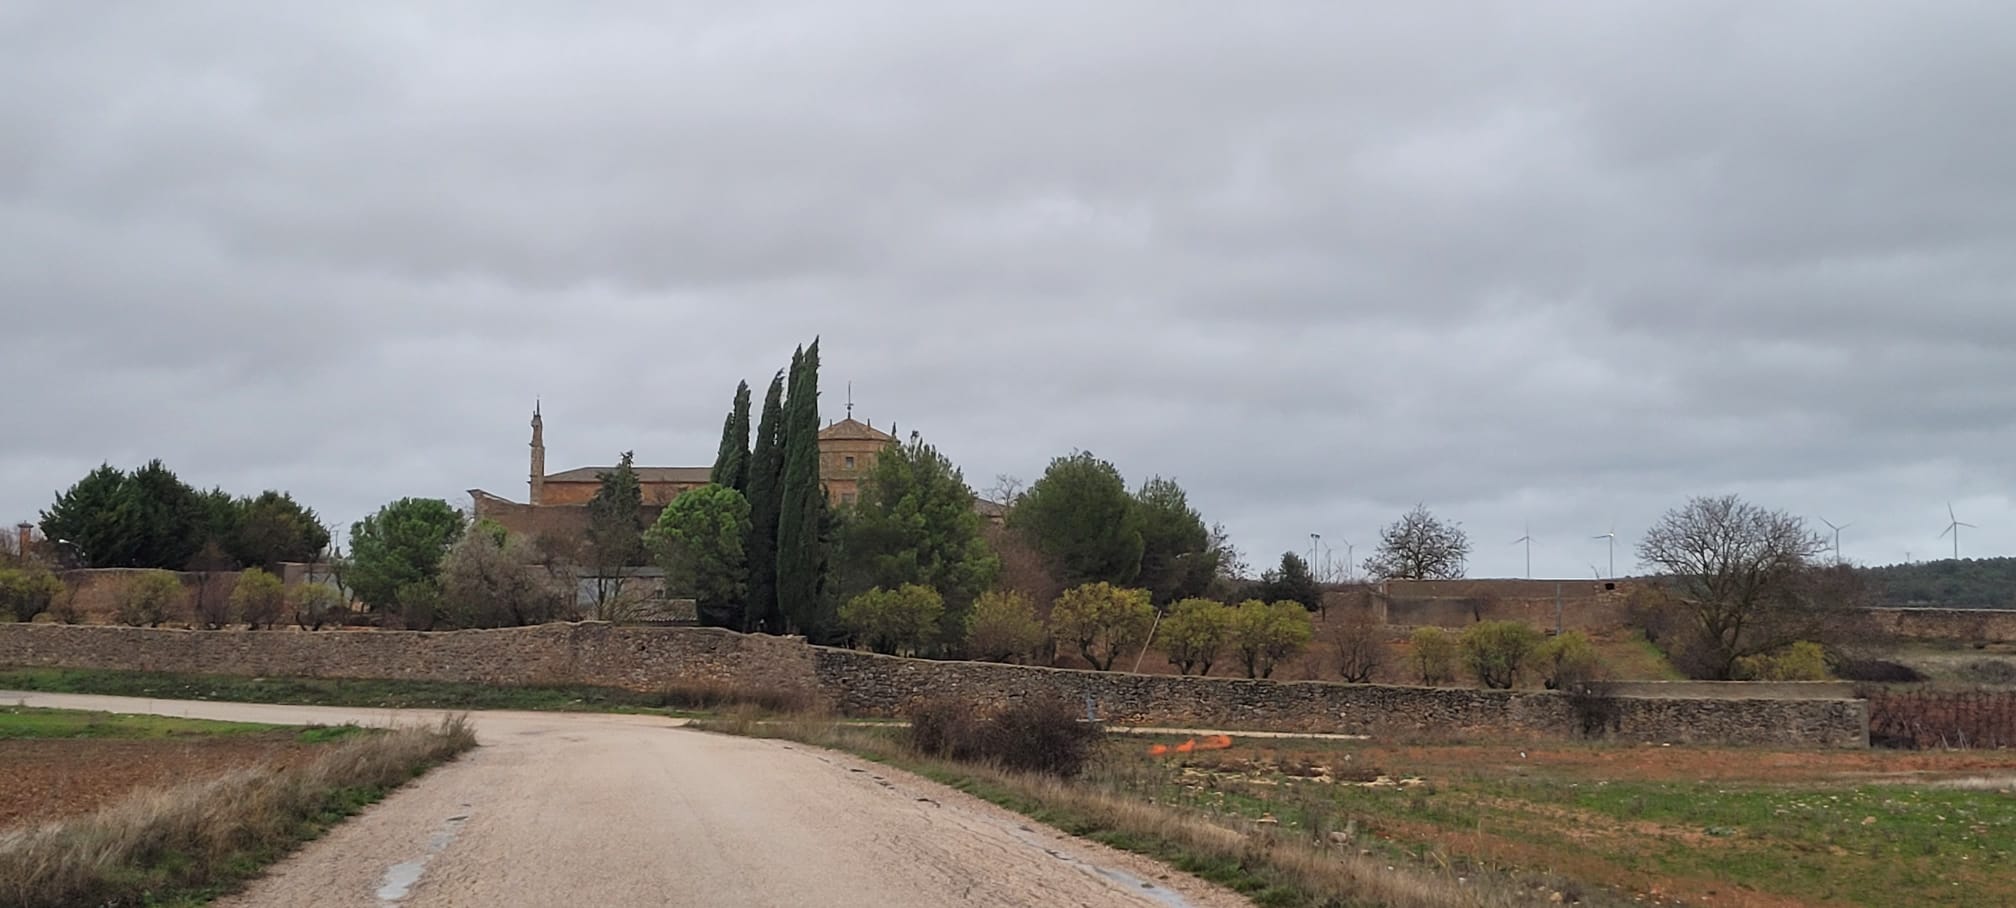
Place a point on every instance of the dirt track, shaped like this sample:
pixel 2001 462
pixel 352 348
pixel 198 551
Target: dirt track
pixel 563 809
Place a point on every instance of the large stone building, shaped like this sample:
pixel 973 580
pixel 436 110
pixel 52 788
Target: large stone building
pixel 557 503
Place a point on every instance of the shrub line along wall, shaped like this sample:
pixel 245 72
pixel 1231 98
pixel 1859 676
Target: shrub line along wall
pixel 865 684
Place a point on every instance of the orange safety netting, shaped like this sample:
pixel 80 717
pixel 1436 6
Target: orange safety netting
pixel 1212 742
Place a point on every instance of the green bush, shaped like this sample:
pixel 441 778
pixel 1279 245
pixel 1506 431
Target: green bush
pixel 28 591
pixel 1801 661
pixel 1496 651
pixel 1434 654
pixel 1567 660
pixel 148 598
pixel 258 599
pixel 901 620
pixel 1003 627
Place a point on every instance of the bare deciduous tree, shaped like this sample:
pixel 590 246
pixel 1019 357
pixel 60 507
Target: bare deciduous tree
pixel 1360 643
pixel 1746 579
pixel 1005 491
pixel 1419 546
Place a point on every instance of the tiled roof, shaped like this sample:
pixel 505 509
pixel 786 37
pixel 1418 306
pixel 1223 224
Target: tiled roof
pixel 851 430
pixel 644 474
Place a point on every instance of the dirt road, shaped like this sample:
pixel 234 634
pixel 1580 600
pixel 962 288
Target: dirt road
pixel 606 811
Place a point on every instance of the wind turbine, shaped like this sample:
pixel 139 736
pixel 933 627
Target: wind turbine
pixel 1528 539
pixel 1612 536
pixel 1953 525
pixel 1837 536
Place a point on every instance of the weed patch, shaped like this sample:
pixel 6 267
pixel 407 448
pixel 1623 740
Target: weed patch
pixel 381 694
pixel 194 841
pixel 24 723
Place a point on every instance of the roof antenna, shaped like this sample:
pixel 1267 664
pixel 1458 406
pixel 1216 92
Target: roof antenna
pixel 850 400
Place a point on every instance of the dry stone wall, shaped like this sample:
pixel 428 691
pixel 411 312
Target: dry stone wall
pixel 1963 625
pixel 647 659
pixel 872 685
pixel 591 653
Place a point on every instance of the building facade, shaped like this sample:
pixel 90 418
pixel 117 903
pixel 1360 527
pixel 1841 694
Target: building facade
pixel 557 503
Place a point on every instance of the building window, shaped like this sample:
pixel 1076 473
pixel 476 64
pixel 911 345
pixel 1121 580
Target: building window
pixel 849 461
pixel 847 498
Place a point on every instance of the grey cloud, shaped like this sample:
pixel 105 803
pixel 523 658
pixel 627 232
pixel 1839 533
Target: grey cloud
pixel 1563 264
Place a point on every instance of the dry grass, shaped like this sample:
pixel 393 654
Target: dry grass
pixel 1275 868
pixel 715 694
pixel 160 845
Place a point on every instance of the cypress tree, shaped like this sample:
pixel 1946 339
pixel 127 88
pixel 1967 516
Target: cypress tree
pixel 766 473
pixel 731 464
pixel 801 555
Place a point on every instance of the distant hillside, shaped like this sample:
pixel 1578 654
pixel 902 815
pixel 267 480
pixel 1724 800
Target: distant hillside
pixel 1967 583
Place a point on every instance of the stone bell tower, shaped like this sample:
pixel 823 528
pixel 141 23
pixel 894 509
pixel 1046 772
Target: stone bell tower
pixel 538 455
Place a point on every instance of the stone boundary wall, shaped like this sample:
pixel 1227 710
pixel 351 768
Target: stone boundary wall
pixel 856 683
pixel 590 653
pixel 1502 588
pixel 1579 611
pixel 1964 625
pixel 1740 690
pixel 867 684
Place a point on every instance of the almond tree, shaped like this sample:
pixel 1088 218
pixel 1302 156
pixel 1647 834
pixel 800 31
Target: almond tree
pixel 1102 620
pixel 1419 546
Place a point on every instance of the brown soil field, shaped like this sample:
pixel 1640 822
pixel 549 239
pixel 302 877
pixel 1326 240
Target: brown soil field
pixel 52 778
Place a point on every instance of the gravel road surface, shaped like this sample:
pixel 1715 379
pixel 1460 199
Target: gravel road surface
pixel 605 811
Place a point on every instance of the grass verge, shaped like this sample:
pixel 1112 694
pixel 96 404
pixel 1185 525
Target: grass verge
pixel 1274 869
pixel 186 844
pixel 20 722
pixel 328 692
pixel 681 697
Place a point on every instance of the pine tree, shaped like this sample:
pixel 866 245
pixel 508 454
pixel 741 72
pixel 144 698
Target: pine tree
pixel 801 518
pixel 731 465
pixel 766 473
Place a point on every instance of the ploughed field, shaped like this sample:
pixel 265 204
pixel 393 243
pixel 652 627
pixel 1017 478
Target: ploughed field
pixel 1647 824
pixel 65 762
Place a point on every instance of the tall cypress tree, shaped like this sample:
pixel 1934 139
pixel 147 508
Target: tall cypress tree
pixel 801 555
pixel 766 474
pixel 731 464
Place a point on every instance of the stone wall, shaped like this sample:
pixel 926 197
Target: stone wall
pixel 872 685
pixel 1500 588
pixel 636 658
pixel 559 521
pixel 1964 625
pixel 1577 609
pixel 642 658
pixel 1740 690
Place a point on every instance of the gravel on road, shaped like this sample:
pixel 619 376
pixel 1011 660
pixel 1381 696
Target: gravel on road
pixel 606 811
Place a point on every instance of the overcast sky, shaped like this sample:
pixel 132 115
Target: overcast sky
pixel 1563 264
